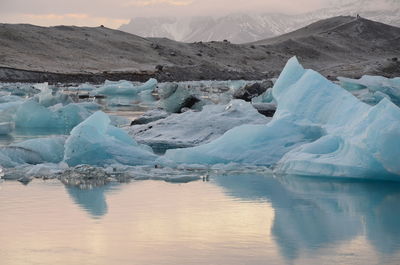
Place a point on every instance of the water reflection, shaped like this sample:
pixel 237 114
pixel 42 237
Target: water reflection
pixel 91 200
pixel 311 214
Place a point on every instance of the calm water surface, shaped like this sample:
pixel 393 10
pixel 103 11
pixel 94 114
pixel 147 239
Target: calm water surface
pixel 246 219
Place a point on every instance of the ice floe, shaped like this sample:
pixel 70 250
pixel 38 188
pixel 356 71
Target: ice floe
pixel 125 87
pixel 372 89
pixel 196 127
pixel 96 142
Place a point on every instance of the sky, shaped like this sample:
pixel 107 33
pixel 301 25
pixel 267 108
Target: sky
pixel 113 13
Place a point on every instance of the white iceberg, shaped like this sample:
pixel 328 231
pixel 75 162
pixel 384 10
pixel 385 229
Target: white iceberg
pixel 125 88
pixel 96 142
pixel 193 128
pixel 319 129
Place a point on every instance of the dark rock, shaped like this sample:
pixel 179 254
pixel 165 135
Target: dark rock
pixel 253 90
pixel 189 102
pixel 150 116
pixel 266 109
pixel 155 46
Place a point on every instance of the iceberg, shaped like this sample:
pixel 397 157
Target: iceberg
pixel 47 99
pixel 125 88
pixel 96 142
pixel 195 94
pixel 193 128
pixel 9 98
pixel 261 145
pixel 82 87
pixel 31 114
pixel 376 87
pixel 12 156
pixel 50 149
pixel 20 89
pixel 360 141
pixel 6 128
pixel 178 99
pixel 319 129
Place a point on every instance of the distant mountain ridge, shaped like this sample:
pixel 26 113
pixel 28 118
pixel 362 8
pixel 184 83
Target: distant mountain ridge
pixel 242 28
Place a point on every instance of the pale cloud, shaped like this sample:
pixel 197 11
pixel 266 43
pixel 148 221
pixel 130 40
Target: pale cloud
pixel 64 19
pixel 113 13
pixel 158 2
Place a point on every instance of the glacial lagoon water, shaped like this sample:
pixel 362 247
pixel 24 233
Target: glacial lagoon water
pixel 230 219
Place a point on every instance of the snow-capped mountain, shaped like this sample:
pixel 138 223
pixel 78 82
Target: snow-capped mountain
pixel 241 28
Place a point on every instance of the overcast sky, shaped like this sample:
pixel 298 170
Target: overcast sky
pixel 113 13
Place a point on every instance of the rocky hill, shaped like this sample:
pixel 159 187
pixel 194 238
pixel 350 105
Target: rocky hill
pixel 337 46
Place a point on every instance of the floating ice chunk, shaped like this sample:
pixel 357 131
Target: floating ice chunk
pixel 11 156
pixel 150 116
pixel 193 128
pixel 51 149
pixel 251 91
pixel 19 89
pixel 180 98
pixel 249 144
pixel 47 99
pixel 42 170
pixel 7 112
pixel 119 121
pixel 96 142
pixel 6 128
pixel 125 88
pixel 374 82
pixel 319 129
pixel 10 98
pixel 361 141
pixel 33 115
pixel 265 97
pixel 376 85
pixel 82 87
pixel 196 94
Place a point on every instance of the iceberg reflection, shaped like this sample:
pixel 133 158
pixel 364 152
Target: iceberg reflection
pixel 91 200
pixel 312 214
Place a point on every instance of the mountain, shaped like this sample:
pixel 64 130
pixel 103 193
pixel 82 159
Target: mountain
pixel 344 45
pixel 242 28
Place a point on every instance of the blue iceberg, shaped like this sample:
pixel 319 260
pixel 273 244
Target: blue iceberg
pixel 6 128
pixel 374 88
pixel 319 129
pixel 31 114
pixel 50 149
pixel 96 142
